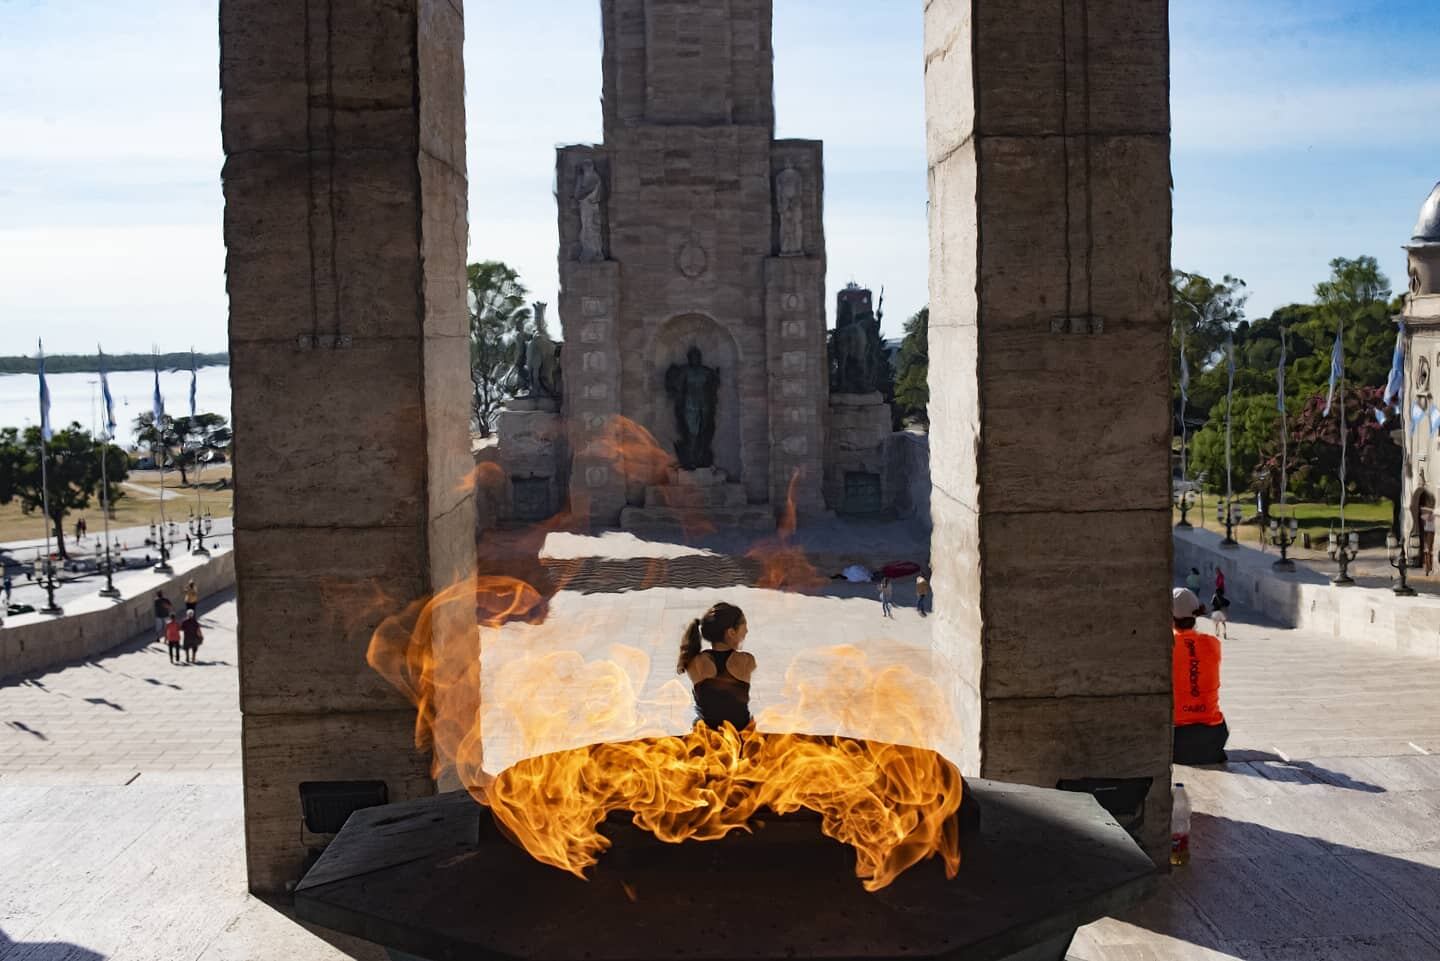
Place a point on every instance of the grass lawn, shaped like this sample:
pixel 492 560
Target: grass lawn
pixel 135 508
pixel 1314 519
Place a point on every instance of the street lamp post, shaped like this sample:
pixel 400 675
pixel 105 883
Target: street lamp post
pixel 47 567
pixel 200 526
pixel 1284 535
pixel 158 534
pixel 1183 500
pixel 1397 554
pixel 1343 550
pixel 1229 515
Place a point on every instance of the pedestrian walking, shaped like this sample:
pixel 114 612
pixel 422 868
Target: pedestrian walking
pixel 1427 537
pixel 887 594
pixel 1192 580
pixel 191 635
pixel 1219 611
pixel 192 597
pixel 9 585
pixel 163 609
pixel 1219 580
pixel 172 638
pixel 922 595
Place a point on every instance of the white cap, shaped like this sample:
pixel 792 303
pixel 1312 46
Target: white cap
pixel 1184 603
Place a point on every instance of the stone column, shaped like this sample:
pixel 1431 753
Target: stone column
pixel 1048 141
pixel 345 223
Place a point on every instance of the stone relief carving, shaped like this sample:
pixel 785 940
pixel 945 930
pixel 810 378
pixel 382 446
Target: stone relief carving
pixel 692 260
pixel 789 204
pixel 589 200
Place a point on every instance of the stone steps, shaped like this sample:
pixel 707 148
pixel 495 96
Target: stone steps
pixel 697 522
pixel 695 498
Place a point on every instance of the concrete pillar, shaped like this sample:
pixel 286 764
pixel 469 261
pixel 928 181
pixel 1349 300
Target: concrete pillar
pixel 1049 144
pixel 345 223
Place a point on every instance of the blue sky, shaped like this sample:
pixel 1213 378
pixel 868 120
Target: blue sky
pixel 1303 131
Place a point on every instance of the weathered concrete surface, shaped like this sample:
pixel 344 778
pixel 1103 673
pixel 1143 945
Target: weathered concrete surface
pixel 1048 141
pixel 345 227
pixel 37 642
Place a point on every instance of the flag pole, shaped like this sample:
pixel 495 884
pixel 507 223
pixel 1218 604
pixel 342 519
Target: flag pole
pixel 158 416
pixel 109 590
pixel 49 566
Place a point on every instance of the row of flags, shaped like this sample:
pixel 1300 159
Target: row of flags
pixel 157 407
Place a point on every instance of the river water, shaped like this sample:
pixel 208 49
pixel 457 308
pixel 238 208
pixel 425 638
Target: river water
pixel 76 397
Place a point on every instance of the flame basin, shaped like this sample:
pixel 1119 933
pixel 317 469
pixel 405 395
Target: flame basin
pixel 435 879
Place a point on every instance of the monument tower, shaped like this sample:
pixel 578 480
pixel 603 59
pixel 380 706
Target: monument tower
pixel 692 272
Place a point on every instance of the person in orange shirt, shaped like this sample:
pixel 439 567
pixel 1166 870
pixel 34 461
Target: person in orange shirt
pixel 1200 729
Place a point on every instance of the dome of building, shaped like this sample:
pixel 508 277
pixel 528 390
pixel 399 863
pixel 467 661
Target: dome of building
pixel 1427 228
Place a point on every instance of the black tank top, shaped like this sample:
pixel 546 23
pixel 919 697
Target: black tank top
pixel 723 697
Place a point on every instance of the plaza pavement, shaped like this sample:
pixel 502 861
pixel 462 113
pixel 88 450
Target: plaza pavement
pixel 121 829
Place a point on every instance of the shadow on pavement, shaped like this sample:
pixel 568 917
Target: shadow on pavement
pixel 1251 891
pixel 44 951
pixel 1277 768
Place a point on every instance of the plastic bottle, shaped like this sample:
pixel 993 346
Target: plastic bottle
pixel 1179 827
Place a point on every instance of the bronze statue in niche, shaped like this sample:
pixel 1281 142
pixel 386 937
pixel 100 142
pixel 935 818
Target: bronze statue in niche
pixel 694 389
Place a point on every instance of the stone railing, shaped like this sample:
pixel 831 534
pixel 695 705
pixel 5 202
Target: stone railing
pixel 1307 600
pixel 93 624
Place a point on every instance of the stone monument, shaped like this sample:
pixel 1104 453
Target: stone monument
pixel 857 477
pixel 532 446
pixel 1418 403
pixel 692 231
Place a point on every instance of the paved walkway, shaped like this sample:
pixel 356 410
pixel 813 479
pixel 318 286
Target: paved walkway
pixel 120 800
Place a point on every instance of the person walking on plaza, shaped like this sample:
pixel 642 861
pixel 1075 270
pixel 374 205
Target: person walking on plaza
pixel 887 594
pixel 1192 581
pixel 922 594
pixel 1200 729
pixel 172 638
pixel 163 609
pixel 192 597
pixel 1427 537
pixel 8 585
pixel 191 635
pixel 1219 580
pixel 1219 611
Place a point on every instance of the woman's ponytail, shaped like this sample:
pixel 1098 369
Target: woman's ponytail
pixel 689 646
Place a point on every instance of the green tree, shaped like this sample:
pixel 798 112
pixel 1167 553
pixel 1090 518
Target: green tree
pixel 912 378
pixel 498 312
pixel 184 443
pixel 1203 313
pixel 1254 435
pixel 72 473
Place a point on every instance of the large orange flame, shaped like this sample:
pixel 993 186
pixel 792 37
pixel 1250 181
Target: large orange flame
pixel 580 742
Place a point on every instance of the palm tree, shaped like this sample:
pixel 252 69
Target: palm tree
pixel 498 313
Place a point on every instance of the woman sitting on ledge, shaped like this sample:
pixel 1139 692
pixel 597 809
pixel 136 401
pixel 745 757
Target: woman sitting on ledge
pixel 721 674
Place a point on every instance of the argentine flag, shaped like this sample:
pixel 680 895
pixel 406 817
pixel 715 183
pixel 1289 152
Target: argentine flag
pixel 192 383
pixel 1396 384
pixel 157 404
pixel 105 394
pixel 1337 370
pixel 45 432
